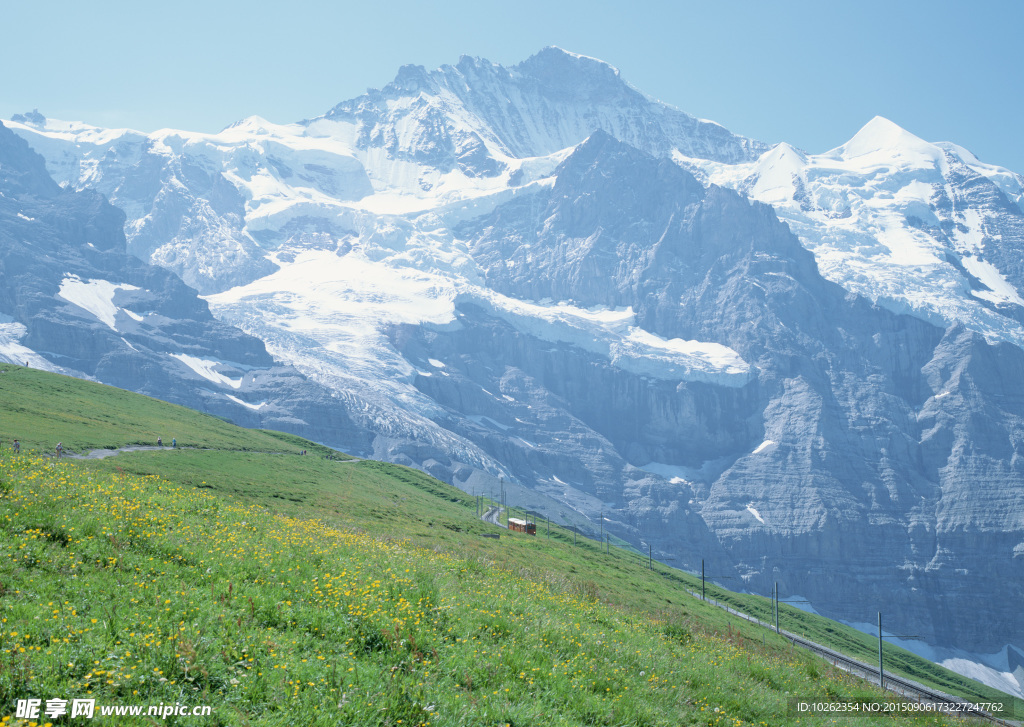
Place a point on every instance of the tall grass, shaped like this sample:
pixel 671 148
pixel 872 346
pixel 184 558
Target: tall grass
pixel 128 589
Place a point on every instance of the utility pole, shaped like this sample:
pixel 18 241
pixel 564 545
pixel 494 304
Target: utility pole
pixel 776 604
pixel 650 557
pixel 881 676
pixel 881 680
pixel 702 580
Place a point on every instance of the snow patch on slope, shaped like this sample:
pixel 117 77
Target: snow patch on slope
pixel 999 288
pixel 94 296
pixel 320 282
pixel 207 368
pixel 12 351
pixel 676 474
pixel 254 407
pixel 674 359
pixel 611 334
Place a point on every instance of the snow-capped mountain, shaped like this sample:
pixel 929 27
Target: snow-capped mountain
pixel 477 115
pixel 803 369
pixel 921 228
pixel 73 301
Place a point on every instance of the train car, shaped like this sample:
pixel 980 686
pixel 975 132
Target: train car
pixel 522 526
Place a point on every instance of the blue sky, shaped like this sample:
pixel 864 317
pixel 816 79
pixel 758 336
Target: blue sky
pixel 810 73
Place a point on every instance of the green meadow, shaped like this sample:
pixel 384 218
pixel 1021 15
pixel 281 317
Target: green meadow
pixel 280 589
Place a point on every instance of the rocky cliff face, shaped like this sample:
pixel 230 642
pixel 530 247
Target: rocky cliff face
pixel 74 301
pixel 472 114
pixel 801 369
pixel 864 451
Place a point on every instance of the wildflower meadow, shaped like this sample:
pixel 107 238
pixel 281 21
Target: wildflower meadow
pixel 128 589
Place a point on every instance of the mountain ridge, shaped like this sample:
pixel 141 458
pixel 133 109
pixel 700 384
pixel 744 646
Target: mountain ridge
pixel 555 81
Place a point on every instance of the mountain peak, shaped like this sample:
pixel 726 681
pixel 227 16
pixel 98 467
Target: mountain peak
pixel 250 125
pixel 613 157
pixel 555 53
pixel 565 69
pixel 880 135
pixel 551 101
pixel 880 127
pixel 411 79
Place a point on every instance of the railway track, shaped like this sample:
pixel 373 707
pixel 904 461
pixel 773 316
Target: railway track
pixel 940 701
pixel 937 701
pixel 492 516
pixel 926 699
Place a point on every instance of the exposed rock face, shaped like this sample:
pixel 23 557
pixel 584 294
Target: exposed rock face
pixel 539 274
pixel 551 101
pixel 866 453
pixel 74 301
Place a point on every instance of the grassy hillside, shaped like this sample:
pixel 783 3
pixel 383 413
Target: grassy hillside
pixel 392 501
pixel 41 409
pixel 864 647
pixel 281 589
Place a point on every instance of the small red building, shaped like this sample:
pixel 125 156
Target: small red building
pixel 522 526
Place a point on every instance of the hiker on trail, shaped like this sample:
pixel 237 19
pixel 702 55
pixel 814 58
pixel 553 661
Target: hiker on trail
pixel 60 449
pixel 174 443
pixel 17 446
pixel 159 441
